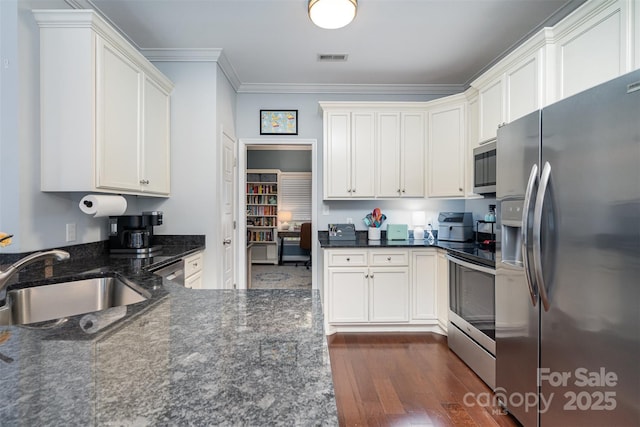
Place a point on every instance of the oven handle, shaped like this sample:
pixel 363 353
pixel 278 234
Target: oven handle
pixel 471 266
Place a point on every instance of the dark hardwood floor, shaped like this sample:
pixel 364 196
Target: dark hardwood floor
pixel 407 380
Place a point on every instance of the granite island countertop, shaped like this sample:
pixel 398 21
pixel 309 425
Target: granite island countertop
pixel 184 357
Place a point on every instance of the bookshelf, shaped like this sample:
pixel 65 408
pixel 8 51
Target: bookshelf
pixel 262 214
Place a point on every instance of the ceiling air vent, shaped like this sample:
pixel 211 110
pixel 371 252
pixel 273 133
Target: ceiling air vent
pixel 332 57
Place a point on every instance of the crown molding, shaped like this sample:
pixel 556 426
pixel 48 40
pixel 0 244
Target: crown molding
pixel 361 89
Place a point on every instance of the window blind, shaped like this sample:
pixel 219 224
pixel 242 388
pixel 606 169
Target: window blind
pixel 295 195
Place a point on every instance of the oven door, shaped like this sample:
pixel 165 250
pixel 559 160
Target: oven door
pixel 472 301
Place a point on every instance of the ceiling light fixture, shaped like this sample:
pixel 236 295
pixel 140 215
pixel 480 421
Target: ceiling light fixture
pixel 332 14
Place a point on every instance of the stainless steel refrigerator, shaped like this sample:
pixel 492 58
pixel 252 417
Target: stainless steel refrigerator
pixel 568 264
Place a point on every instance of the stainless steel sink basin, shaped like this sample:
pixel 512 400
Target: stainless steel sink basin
pixel 60 300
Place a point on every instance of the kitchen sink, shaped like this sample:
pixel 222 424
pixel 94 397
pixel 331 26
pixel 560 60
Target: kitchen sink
pixel 60 300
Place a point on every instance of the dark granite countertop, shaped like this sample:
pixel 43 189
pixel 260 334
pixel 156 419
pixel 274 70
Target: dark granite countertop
pixel 468 250
pixel 183 357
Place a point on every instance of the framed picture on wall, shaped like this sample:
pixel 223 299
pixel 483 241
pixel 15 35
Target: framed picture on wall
pixel 278 122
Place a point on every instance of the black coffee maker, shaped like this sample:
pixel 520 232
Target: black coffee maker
pixel 132 235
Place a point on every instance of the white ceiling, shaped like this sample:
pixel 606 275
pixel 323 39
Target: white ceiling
pixel 392 44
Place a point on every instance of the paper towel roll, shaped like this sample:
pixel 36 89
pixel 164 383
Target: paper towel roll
pixel 100 205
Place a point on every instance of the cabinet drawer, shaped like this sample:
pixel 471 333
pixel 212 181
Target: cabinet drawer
pixel 388 258
pixel 194 281
pixel 192 264
pixel 346 259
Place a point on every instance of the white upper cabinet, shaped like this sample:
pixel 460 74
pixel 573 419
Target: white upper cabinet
pixel 373 150
pixel 401 148
pixel 491 108
pixel 389 155
pixel 118 114
pixel 104 109
pixel 594 45
pixel 446 142
pixel 523 87
pixel 349 153
pixel 412 154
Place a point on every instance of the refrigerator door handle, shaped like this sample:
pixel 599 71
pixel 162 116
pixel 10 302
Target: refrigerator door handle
pixel 528 196
pixel 545 176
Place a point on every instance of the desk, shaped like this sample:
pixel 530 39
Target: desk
pixel 281 235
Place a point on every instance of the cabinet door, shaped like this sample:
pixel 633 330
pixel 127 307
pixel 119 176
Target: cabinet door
pixel 118 119
pixel 156 151
pixel 337 159
pixel 388 136
pixel 423 284
pixel 491 108
pixel 442 289
pixel 389 294
pixel 348 295
pixel 524 88
pixel 593 51
pixel 363 154
pixel 446 151
pixel 413 148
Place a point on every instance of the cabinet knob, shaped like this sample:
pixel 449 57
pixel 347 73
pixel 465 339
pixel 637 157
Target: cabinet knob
pixel 403 190
pixel 348 259
pixel 226 242
pixel 349 191
pixel 399 190
pixel 366 276
pixel 144 181
pixel 371 276
pixel 388 258
pixel 460 189
pixel 353 191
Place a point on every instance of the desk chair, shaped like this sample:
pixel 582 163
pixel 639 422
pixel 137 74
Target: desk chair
pixel 305 240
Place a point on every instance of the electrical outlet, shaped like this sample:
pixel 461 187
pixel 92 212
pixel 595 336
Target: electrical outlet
pixel 71 232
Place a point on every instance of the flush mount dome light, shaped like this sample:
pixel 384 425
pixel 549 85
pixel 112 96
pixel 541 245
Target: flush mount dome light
pixel 332 14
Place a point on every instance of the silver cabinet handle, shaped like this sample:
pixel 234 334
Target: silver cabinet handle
pixel 524 233
pixel 226 242
pixel 545 176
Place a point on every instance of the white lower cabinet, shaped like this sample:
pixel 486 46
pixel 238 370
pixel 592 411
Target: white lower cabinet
pixel 389 294
pixel 423 284
pixel 442 289
pixel 381 289
pixel 193 270
pixel 348 295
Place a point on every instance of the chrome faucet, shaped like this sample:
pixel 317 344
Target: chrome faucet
pixel 6 275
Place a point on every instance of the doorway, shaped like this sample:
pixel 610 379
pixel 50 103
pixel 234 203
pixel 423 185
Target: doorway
pixel 274 272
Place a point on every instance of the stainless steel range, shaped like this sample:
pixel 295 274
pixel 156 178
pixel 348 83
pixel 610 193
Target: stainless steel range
pixel 472 313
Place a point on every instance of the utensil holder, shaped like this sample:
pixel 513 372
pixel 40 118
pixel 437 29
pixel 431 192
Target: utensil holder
pixel 374 233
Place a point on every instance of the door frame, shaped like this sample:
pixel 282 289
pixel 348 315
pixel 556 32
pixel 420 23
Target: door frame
pixel 241 254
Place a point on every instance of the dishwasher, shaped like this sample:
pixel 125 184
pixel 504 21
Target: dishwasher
pixel 173 272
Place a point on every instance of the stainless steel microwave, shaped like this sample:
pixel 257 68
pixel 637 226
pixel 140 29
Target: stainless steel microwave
pixel 484 168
